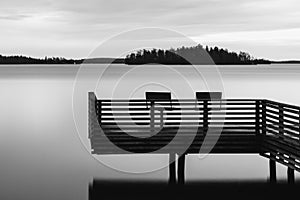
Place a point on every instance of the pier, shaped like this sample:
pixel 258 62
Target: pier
pixel 161 125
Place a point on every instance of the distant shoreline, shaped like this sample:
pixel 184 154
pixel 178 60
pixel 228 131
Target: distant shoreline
pixel 119 62
pixel 195 55
pixel 22 60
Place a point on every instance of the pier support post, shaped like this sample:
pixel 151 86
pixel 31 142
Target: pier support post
pixel 172 168
pixel 291 176
pixel 272 165
pixel 181 169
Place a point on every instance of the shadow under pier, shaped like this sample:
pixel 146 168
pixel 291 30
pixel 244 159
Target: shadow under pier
pixel 100 189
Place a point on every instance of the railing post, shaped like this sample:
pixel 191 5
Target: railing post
pixel 161 118
pixel 257 117
pixel 281 120
pixel 99 111
pixel 205 116
pixel 92 113
pixel 172 168
pixel 152 117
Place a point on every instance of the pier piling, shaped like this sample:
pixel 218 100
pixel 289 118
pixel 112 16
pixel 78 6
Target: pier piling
pixel 181 169
pixel 290 175
pixel 172 168
pixel 272 165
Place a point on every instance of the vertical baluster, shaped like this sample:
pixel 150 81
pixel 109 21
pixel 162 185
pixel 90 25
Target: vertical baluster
pixel 152 115
pixel 99 111
pixel 205 116
pixel 299 125
pixel 281 120
pixel 257 117
pixel 264 117
pixel 161 118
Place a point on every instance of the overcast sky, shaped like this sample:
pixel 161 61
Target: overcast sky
pixel 73 28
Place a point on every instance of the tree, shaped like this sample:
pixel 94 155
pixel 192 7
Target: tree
pixel 179 56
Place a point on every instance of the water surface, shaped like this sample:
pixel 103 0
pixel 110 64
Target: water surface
pixel 42 156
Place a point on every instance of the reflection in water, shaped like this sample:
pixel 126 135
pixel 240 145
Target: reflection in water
pixel 100 189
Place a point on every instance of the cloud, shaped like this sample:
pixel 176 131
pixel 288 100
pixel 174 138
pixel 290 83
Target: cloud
pixel 13 17
pixel 91 21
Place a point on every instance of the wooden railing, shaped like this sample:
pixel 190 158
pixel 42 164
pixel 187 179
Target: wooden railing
pixel 231 114
pixel 281 133
pixel 281 120
pixel 233 123
pixel 265 127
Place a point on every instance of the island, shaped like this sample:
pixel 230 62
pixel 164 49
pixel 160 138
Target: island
pixel 198 55
pixel 193 55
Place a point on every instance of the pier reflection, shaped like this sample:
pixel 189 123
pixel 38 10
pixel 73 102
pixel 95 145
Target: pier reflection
pixel 117 189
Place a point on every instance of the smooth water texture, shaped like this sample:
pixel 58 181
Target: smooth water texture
pixel 42 156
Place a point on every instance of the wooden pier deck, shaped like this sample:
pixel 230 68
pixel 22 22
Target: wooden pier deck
pixel 189 126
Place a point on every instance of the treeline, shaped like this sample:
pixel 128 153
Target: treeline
pixel 29 60
pixel 192 55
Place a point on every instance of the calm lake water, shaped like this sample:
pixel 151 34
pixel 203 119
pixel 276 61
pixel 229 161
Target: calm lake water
pixel 43 156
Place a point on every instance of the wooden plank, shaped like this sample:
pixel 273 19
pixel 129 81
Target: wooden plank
pixel 276 107
pixel 217 110
pixel 126 114
pixel 283 104
pixel 180 135
pixel 153 150
pixel 161 141
pixel 174 100
pixel 177 124
pixel 193 108
pixel 177 103
pixel 279 148
pixel 282 132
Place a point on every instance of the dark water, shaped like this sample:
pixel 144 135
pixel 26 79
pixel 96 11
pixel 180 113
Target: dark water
pixel 254 189
pixel 43 156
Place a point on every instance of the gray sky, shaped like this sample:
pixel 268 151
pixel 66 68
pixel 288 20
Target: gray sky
pixel 71 28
